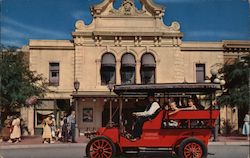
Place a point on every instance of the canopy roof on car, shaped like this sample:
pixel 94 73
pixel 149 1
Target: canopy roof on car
pixel 166 88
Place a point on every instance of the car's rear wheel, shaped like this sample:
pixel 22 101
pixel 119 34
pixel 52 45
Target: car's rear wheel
pixel 192 148
pixel 100 147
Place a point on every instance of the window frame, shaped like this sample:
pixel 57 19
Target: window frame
pixel 197 71
pixel 54 81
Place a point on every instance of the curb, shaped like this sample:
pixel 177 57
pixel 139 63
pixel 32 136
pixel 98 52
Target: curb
pixel 228 143
pixel 32 146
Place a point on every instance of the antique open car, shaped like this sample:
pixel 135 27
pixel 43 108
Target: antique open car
pixel 187 139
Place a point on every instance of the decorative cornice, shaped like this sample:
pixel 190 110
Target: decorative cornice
pixel 134 34
pixel 127 8
pixel 236 44
pixel 52 47
pixel 153 8
pixel 84 34
pixel 201 46
pixel 51 44
pixel 99 8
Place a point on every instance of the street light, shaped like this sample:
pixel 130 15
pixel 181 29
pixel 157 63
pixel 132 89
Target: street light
pixel 219 80
pixel 76 86
pixel 110 87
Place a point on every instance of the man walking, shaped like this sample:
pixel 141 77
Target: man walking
pixel 71 119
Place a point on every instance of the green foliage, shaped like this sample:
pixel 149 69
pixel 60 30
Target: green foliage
pixel 237 88
pixel 17 82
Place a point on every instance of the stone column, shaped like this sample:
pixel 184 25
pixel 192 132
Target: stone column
pixel 138 74
pixel 98 72
pixel 31 120
pixel 178 65
pixel 117 72
pixel 157 70
pixel 79 62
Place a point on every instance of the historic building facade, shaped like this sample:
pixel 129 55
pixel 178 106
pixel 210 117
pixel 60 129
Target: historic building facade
pixel 120 46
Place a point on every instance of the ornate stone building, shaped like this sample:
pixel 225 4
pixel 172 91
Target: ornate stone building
pixel 120 46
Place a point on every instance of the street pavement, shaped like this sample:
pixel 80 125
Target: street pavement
pixel 78 151
pixel 31 147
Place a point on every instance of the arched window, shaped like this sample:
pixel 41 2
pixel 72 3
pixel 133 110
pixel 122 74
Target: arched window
pixel 128 69
pixel 108 69
pixel 148 69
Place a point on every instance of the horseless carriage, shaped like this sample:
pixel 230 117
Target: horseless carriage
pixel 187 139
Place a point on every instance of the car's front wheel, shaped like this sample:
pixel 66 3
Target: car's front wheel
pixel 100 147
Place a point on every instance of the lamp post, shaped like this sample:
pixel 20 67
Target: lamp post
pixel 110 87
pixel 76 86
pixel 215 79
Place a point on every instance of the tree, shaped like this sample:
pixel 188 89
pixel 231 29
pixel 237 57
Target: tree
pixel 17 82
pixel 237 86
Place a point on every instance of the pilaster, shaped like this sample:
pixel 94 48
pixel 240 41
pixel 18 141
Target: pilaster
pixel 138 74
pixel 179 65
pixel 98 72
pixel 117 73
pixel 79 62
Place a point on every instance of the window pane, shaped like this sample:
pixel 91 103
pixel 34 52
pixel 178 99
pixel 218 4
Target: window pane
pixel 200 72
pixel 128 75
pixel 54 74
pixel 148 75
pixel 107 75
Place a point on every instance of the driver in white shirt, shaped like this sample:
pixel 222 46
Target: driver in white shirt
pixel 143 116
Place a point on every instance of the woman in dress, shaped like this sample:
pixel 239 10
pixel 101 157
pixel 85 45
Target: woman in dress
pixel 16 132
pixel 47 136
pixel 246 126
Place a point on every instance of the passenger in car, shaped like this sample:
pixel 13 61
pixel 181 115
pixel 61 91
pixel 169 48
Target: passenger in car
pixel 191 105
pixel 173 108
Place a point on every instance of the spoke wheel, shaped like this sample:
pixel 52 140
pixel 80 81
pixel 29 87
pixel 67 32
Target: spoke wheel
pixel 100 147
pixel 192 148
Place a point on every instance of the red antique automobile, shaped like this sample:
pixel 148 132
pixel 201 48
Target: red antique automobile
pixel 185 133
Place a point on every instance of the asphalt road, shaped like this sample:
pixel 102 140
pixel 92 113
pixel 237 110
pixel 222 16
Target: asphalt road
pixel 215 151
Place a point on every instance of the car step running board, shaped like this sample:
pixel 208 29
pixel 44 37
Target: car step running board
pixel 147 150
pixel 154 149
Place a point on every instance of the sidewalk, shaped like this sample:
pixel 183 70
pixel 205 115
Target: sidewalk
pixel 36 142
pixel 230 140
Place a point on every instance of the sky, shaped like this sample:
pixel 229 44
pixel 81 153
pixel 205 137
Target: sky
pixel 200 20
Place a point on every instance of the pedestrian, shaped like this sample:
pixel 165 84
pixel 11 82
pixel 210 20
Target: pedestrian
pixel 246 126
pixel 65 131
pixel 71 119
pixel 15 135
pixel 47 136
pixel 53 128
pixel 7 129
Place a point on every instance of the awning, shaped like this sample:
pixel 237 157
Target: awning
pixel 108 59
pixel 128 60
pixel 167 88
pixel 148 60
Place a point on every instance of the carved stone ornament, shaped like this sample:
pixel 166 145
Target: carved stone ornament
pixel 127 8
pixel 175 26
pixel 80 25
